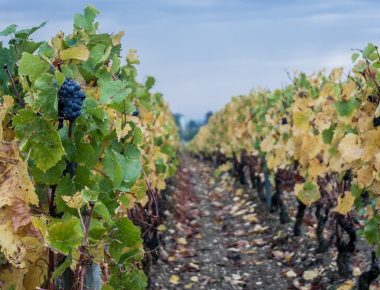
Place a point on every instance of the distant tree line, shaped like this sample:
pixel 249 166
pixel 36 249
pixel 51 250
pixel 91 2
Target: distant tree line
pixel 189 128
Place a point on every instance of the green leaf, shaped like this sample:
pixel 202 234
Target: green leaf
pixel 113 167
pixel 354 57
pixel 8 30
pixel 83 177
pixel 25 33
pixel 138 136
pixel 149 83
pixel 371 231
pixel 32 66
pixel 97 230
pixel 345 108
pixel 90 195
pixel 97 54
pixel 51 176
pixel 113 91
pixel 65 187
pixel 86 21
pixel 133 163
pixel 46 50
pixel 160 166
pixel 39 137
pixel 126 235
pixel 61 268
pixel 85 154
pixel 46 101
pixel 101 210
pixel 369 49
pixel 60 77
pixel 328 134
pixel 129 278
pixel 136 279
pixel 376 64
pixel 65 235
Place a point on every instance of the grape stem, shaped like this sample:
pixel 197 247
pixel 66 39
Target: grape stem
pixel 70 132
pixel 19 99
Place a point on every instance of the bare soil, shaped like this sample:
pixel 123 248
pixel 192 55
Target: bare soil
pixel 217 235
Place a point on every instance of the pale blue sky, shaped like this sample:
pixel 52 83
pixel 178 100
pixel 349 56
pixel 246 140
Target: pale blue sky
pixel 203 52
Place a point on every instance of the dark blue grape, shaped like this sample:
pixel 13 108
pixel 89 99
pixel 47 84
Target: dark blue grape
pixel 70 100
pixel 376 122
pixel 82 95
pixel 70 168
pixel 135 113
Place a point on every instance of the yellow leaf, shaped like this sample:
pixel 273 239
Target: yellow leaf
pixel 336 74
pixel 75 201
pixel 365 176
pixel 315 168
pixel 377 162
pixel 116 38
pixel 36 275
pixel 12 278
pixel 347 285
pixel 349 148
pixel 345 203
pixel 120 130
pixel 79 52
pixel 148 117
pixel 301 119
pixel 10 243
pixel 267 144
pixel 39 223
pixel 4 107
pixel 15 182
pixel 57 41
pixel 174 279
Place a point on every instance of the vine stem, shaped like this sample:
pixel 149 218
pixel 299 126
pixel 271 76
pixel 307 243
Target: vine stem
pixel 19 99
pixel 51 256
pixel 81 270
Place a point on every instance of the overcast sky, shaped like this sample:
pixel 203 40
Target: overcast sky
pixel 203 52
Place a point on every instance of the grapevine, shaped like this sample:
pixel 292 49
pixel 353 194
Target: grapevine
pixel 319 139
pixel 72 199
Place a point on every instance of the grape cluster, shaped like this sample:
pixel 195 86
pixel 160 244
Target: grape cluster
pixel 376 122
pixel 373 99
pixel 70 100
pixel 70 169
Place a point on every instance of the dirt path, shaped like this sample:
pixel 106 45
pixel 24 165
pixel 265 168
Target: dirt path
pixel 217 236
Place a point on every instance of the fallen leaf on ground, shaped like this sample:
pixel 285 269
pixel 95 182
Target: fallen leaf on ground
pixel 291 274
pixel 182 241
pixel 250 218
pixel 310 275
pixel 174 279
